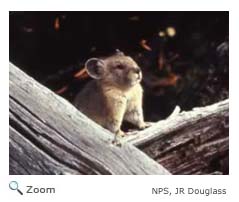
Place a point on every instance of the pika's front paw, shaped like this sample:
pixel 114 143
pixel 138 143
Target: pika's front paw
pixel 145 125
pixel 119 134
pixel 117 143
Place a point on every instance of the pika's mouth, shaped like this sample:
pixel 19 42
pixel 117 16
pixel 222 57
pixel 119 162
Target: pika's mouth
pixel 134 78
pixel 137 78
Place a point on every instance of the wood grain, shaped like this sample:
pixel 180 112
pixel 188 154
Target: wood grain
pixel 193 142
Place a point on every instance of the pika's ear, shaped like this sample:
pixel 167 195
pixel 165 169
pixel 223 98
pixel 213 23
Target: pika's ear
pixel 118 52
pixel 95 68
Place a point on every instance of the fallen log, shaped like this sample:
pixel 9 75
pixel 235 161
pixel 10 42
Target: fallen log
pixel 50 136
pixel 194 142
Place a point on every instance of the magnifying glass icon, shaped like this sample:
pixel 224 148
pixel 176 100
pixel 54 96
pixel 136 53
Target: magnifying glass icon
pixel 13 185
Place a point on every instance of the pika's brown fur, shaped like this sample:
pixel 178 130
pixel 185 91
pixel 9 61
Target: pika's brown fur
pixel 115 94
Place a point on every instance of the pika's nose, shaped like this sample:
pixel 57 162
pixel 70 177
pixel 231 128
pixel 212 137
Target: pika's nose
pixel 137 70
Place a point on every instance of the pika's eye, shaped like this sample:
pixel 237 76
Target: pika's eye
pixel 119 66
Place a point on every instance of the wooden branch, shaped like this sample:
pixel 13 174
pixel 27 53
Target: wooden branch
pixel 50 136
pixel 194 142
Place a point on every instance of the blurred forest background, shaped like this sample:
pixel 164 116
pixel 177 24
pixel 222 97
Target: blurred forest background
pixel 184 55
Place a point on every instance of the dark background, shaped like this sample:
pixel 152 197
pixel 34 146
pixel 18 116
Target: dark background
pixel 189 69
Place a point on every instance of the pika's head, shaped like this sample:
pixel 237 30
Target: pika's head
pixel 118 70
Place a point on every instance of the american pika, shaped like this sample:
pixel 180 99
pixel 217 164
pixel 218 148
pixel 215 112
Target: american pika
pixel 115 93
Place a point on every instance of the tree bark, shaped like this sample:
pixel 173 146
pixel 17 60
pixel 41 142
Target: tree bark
pixel 194 142
pixel 50 136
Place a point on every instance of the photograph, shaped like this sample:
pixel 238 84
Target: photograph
pixel 118 92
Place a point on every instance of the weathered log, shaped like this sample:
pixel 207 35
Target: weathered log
pixel 50 136
pixel 194 142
